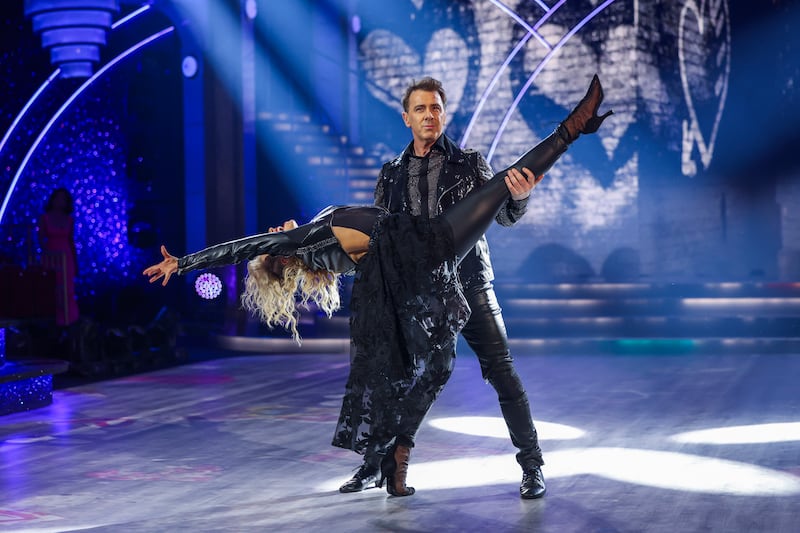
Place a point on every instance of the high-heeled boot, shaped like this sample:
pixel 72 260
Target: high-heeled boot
pixel 394 470
pixel 314 243
pixel 584 119
pixel 471 217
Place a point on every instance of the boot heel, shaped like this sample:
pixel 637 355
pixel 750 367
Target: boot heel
pixel 388 467
pixel 395 469
pixel 584 118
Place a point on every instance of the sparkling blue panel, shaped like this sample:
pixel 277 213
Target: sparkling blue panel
pixel 87 155
pixel 26 394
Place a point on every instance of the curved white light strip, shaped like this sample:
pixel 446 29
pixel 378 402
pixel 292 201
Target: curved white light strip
pixel 27 106
pixel 55 74
pixel 69 101
pixel 538 69
pixel 531 30
pixel 489 88
pixel 496 77
pixel 132 15
pixel 754 434
pixel 493 426
pixel 658 469
pixel 746 302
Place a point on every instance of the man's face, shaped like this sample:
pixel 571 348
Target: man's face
pixel 425 116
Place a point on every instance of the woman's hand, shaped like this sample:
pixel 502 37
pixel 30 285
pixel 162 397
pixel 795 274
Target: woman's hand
pixel 164 269
pixel 289 224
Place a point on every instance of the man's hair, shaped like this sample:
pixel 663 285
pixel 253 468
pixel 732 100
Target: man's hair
pixel 425 84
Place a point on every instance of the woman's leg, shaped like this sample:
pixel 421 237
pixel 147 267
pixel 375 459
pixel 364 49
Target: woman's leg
pixel 471 217
pixel 410 409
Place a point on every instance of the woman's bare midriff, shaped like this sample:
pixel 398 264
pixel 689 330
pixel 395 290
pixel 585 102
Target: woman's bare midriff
pixel 352 241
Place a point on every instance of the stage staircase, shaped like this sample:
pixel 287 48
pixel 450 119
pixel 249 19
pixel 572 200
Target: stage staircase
pixel 621 318
pixel 652 318
pixel 337 171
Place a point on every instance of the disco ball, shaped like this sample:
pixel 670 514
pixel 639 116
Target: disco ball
pixel 208 286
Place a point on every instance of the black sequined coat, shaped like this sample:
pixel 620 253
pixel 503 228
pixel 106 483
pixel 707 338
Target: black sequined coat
pixel 407 308
pixel 463 171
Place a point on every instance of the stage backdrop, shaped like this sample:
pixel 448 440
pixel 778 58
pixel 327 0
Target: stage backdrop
pixel 668 189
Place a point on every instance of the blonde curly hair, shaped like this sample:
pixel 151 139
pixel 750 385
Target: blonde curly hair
pixel 274 296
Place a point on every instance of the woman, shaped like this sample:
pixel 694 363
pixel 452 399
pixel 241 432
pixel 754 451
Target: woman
pixel 406 306
pixel 56 236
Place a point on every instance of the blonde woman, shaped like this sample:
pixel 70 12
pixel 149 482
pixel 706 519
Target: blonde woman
pixel 406 307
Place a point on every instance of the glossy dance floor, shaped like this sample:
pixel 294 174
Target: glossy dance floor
pixel 633 443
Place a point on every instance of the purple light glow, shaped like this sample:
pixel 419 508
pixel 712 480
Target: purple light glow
pixel 208 286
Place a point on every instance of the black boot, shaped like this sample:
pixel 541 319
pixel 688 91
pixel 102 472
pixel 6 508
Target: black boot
pixel 394 470
pixel 584 119
pixel 532 485
pixel 365 476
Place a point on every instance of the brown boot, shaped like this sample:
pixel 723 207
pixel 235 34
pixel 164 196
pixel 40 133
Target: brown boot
pixel 394 469
pixel 583 118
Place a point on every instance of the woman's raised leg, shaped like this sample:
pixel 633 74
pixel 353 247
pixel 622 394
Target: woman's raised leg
pixel 471 217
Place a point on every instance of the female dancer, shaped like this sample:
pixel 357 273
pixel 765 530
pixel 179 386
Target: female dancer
pixel 406 306
pixel 57 237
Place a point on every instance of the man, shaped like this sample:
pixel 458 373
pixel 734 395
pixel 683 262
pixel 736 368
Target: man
pixel 431 174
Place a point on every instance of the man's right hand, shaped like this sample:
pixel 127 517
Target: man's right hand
pixel 521 186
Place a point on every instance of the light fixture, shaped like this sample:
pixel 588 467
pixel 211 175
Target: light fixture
pixel 208 286
pixel 73 31
pixel 189 66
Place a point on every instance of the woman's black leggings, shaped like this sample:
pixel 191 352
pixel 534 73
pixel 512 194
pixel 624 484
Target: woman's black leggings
pixel 471 217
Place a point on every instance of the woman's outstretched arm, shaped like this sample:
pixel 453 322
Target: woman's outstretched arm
pixel 306 242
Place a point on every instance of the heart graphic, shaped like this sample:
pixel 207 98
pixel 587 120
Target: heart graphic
pixel 389 64
pixel 564 80
pixel 409 40
pixel 704 58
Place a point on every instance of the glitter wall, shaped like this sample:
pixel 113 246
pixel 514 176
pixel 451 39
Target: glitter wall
pixel 117 147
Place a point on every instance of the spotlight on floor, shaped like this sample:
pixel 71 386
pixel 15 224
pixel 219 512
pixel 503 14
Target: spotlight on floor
pixel 753 434
pixel 488 426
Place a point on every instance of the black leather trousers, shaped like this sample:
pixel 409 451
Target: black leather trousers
pixel 485 333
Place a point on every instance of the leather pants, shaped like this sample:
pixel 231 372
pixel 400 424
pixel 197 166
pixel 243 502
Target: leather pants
pixel 485 333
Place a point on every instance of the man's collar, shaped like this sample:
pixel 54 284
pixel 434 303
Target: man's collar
pixel 440 145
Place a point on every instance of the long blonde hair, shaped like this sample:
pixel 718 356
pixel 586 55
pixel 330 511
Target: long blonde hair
pixel 275 299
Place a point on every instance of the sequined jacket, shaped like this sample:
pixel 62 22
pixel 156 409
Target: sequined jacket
pixel 463 171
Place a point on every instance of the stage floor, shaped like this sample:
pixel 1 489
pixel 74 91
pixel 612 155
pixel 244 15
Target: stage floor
pixel 242 443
